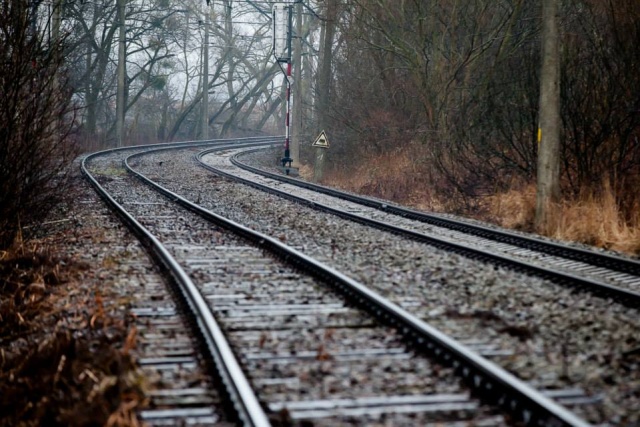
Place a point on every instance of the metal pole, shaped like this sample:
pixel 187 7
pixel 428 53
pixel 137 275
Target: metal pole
pixel 286 160
pixel 297 86
pixel 287 124
pixel 204 134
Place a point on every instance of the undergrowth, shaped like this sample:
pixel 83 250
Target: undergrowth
pixel 61 364
pixel 592 218
pixel 393 176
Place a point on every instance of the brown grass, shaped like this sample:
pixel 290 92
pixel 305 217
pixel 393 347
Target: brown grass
pixel 514 209
pixel 397 176
pixel 593 220
pixel 597 221
pixel 400 177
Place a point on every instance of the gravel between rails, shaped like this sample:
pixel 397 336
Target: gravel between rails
pixel 131 281
pixel 559 339
pixel 580 269
pixel 298 341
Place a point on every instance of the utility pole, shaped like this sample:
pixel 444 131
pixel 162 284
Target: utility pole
pixel 204 133
pixel 297 88
pixel 282 29
pixel 324 81
pixel 122 74
pixel 548 185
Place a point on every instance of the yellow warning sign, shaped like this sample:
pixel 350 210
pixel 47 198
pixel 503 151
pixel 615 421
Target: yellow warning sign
pixel 321 141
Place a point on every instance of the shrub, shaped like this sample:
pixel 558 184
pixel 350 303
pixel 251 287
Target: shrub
pixel 35 120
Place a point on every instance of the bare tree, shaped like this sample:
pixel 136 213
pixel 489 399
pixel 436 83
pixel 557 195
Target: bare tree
pixel 122 73
pixel 35 120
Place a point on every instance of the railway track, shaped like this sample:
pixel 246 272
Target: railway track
pixel 309 354
pixel 188 387
pixel 597 272
pixel 255 305
pixel 569 326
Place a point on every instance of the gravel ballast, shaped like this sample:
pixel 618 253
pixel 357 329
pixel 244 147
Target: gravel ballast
pixel 558 338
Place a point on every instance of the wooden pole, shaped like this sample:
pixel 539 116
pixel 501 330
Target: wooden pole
pixel 548 185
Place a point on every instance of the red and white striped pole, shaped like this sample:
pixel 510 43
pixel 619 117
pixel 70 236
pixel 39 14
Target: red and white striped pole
pixel 282 22
pixel 287 124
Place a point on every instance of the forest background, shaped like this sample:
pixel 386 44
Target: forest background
pixel 434 104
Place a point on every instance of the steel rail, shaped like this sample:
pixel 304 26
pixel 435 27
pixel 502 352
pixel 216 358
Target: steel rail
pixel 624 296
pixel 489 381
pixel 241 394
pixel 611 262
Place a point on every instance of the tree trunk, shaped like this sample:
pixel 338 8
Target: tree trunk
pixel 297 90
pixel 90 100
pixel 204 132
pixel 548 191
pixel 324 82
pixel 122 72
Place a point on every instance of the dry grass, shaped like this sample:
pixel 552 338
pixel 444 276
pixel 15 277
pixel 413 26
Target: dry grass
pixel 597 221
pixel 396 176
pixel 400 177
pixel 593 220
pixel 514 209
pixel 306 172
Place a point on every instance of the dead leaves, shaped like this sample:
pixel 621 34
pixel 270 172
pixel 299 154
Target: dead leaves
pixel 99 315
pixel 323 354
pixel 125 415
pixel 131 342
pixel 64 359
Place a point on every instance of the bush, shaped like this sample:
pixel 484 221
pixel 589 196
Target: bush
pixel 35 120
